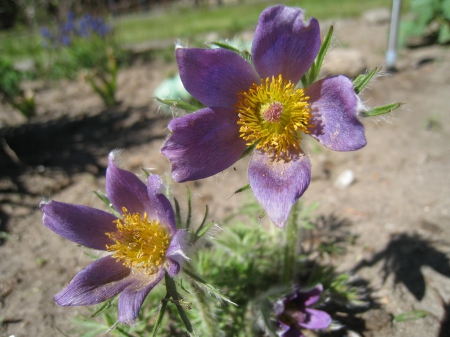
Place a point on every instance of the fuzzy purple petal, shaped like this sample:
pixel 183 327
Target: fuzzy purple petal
pixel 131 299
pixel 99 281
pixel 173 268
pixel 277 185
pixel 81 224
pixel 124 189
pixel 284 44
pixel 177 249
pixel 215 76
pixel 203 143
pixel 307 298
pixel 163 209
pixel 315 319
pixel 334 106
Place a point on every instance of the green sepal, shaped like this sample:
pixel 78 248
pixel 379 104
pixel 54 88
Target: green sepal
pixel 313 72
pixel 243 53
pixel 381 110
pixel 208 287
pixel 103 197
pixel 178 103
pixel 362 80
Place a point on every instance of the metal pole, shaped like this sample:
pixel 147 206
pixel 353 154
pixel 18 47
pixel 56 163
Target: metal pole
pixel 391 54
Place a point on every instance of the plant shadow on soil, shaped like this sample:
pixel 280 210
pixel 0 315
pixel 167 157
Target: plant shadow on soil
pixel 68 145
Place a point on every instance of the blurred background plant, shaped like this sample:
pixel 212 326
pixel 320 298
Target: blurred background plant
pixel 428 22
pixel 11 91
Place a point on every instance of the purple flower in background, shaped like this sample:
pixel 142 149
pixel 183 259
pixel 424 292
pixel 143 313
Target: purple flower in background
pixel 143 241
pixel 293 313
pixel 260 106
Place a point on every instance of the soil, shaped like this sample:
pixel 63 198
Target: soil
pixel 397 208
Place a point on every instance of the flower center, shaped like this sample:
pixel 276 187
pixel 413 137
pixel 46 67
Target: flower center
pixel 273 114
pixel 140 243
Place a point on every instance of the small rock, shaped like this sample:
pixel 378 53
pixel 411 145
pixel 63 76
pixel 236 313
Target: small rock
pixel 348 62
pixel 377 16
pixel 345 179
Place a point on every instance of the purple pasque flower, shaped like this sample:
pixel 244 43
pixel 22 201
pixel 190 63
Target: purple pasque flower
pixel 293 313
pixel 260 106
pixel 143 241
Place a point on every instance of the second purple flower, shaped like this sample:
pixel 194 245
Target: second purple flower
pixel 260 106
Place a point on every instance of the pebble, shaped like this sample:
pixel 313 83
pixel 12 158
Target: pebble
pixel 345 179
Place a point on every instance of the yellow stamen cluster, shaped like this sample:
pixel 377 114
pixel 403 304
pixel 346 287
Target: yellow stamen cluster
pixel 272 114
pixel 140 243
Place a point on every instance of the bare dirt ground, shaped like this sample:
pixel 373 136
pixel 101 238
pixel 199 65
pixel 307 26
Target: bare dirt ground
pixel 398 207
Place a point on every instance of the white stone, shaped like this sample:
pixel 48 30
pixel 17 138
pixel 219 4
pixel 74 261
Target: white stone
pixel 345 179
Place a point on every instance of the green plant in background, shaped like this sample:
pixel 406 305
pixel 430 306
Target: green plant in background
pixel 430 22
pixel 104 81
pixel 10 90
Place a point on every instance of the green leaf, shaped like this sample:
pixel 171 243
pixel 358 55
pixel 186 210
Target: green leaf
pixel 178 103
pixel 249 150
pixel 201 229
pixel 177 213
pixel 444 33
pixel 411 315
pixel 445 6
pixel 172 290
pixel 147 174
pixel 188 218
pixel 362 80
pixel 242 189
pixel 161 314
pixel 103 197
pixel 381 110
pixel 224 45
pixel 104 307
pixel 312 74
pixel 208 287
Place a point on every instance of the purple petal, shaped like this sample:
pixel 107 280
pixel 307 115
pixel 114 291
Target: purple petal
pixel 309 297
pixel 277 185
pixel 124 189
pixel 335 106
pixel 215 76
pixel 99 281
pixel 131 299
pixel 203 143
pixel 316 319
pixel 291 331
pixel 163 211
pixel 81 224
pixel 173 268
pixel 178 247
pixel 284 44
